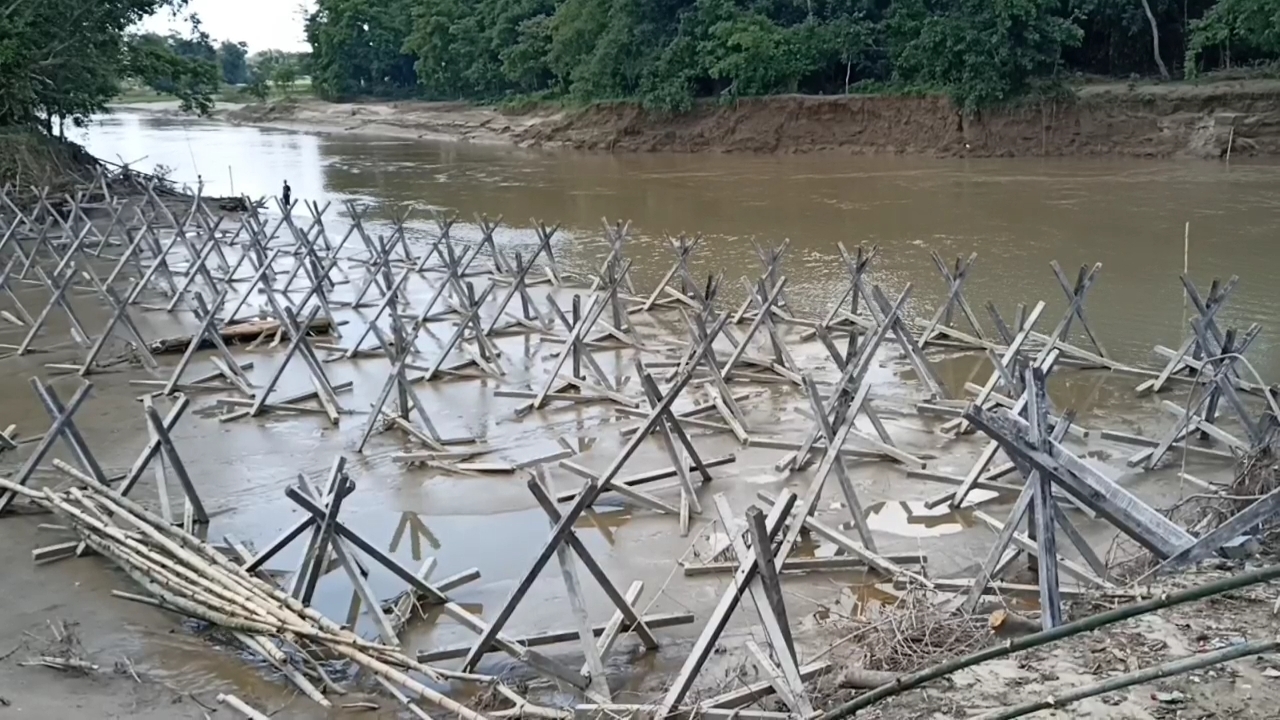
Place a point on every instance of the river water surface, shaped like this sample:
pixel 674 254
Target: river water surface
pixel 1017 215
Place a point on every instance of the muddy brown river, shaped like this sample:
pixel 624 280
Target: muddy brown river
pixel 1018 215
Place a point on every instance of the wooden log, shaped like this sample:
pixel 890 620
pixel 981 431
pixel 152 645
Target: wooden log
pixel 724 609
pixel 555 637
pixel 800 565
pixel 858 678
pixel 242 707
pixel 1005 623
pixel 1260 511
pixel 238 332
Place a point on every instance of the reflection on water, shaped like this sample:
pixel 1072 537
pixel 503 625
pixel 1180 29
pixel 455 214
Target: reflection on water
pixel 912 519
pixel 1016 214
pixel 411 523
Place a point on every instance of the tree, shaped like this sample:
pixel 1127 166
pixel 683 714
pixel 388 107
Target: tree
pixel 1236 28
pixel 356 47
pixel 664 54
pixel 1155 39
pixel 979 52
pixel 284 76
pixel 175 65
pixel 258 88
pixel 65 58
pixel 233 59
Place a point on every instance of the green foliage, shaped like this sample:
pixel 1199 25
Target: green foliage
pixel 234 60
pixel 356 47
pixel 982 52
pixel 178 66
pixel 284 76
pixel 258 88
pixel 1245 29
pixel 65 58
pixel 667 53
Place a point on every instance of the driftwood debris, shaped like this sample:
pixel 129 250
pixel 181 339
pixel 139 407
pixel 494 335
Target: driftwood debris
pixel 239 333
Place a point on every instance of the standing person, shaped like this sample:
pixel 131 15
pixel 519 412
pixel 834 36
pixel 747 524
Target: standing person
pixel 286 194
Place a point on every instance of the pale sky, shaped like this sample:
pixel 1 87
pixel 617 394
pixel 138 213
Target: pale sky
pixel 263 24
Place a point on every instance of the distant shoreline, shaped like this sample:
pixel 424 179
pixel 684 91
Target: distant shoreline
pixel 1169 120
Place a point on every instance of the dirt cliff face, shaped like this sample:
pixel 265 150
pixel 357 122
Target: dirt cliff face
pixel 1174 119
pixel 1108 120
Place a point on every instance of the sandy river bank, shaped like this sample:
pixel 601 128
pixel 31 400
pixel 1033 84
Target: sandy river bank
pixel 1203 120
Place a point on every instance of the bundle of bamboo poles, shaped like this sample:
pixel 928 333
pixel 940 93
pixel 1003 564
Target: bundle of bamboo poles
pixel 186 575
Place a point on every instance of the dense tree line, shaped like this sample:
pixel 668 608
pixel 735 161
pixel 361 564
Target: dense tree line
pixel 668 52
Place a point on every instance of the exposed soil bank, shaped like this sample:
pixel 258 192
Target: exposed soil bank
pixel 1117 119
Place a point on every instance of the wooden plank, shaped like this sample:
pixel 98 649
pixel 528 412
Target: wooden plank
pixel 831 535
pixel 1260 511
pixel 801 565
pixel 1120 507
pixel 719 617
pixel 654 621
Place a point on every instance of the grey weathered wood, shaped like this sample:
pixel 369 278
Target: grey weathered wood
pixel 1046 537
pixel 175 462
pixel 152 448
pixel 842 474
pixel 298 345
pixel 959 426
pixel 814 491
pixel 833 536
pixel 577 605
pixel 792 695
pixel 955 297
pixel 632 481
pixel 70 433
pixel 1010 527
pixel 1207 310
pixel 668 429
pixel 997 552
pixel 768 578
pixel 434 594
pixel 1083 282
pixel 719 617
pixel 316 556
pixel 1081 544
pixel 755 691
pixel 881 310
pixel 588 496
pixel 1129 514
pixel 56 299
pixel 282 541
pixel 595 569
pixel 851 378
pixel 554 637
pixel 1260 511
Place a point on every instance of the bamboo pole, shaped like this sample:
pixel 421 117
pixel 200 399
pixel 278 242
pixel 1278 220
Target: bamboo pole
pixel 1176 667
pixel 1094 622
pixel 239 705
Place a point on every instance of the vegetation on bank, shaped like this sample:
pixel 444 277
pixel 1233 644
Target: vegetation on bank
pixel 64 60
pixel 666 53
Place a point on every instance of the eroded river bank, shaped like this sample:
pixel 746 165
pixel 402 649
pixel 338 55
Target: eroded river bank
pixel 1016 215
pixel 1204 120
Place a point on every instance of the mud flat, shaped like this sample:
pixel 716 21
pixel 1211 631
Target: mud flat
pixel 468 369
